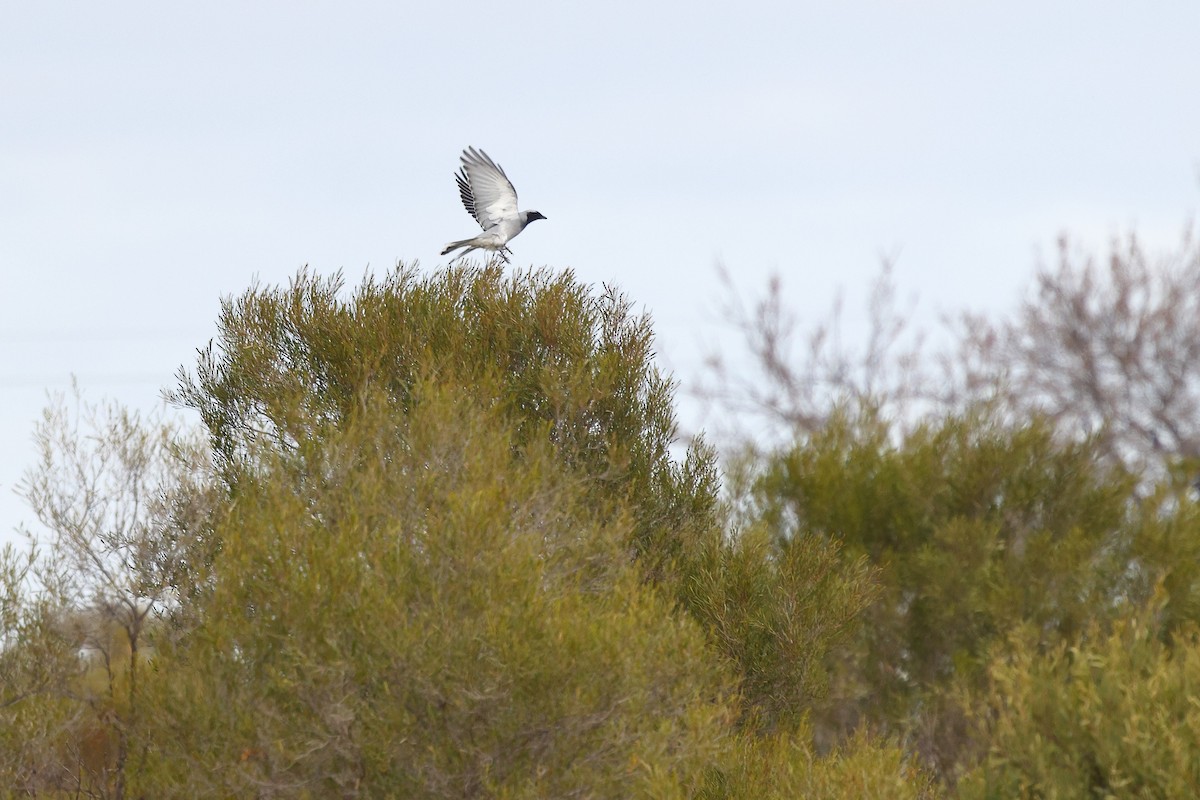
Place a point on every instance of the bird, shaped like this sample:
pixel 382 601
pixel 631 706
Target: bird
pixel 490 198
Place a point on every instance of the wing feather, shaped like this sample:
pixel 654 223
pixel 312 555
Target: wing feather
pixel 486 192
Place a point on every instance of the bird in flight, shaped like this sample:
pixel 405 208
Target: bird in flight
pixel 491 199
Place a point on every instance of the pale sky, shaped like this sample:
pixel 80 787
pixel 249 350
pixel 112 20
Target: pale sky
pixel 156 157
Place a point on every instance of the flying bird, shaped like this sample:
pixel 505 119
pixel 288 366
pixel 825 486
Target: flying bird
pixel 491 199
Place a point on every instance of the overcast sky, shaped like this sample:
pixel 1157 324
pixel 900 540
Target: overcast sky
pixel 155 157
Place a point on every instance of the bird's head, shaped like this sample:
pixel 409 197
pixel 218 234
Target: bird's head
pixel 530 216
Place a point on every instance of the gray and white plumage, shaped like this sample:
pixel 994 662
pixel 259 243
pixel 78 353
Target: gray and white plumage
pixel 490 198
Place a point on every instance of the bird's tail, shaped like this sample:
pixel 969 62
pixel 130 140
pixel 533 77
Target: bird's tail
pixel 450 248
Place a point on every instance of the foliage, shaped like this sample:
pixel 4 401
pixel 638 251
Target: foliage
pixel 1037 474
pixel 35 661
pixel 787 766
pixel 477 630
pixel 443 550
pixel 779 608
pixel 440 544
pixel 80 613
pixel 1113 715
pixel 1166 554
pixel 562 367
pixel 292 365
pixel 974 527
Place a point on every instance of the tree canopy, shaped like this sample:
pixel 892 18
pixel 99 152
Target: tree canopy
pixel 436 536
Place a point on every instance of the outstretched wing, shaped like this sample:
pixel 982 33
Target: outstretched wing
pixel 486 191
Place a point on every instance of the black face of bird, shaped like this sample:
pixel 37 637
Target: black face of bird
pixel 532 215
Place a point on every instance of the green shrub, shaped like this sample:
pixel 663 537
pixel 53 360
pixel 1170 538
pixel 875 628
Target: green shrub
pixel 975 526
pixel 786 766
pixel 443 549
pixel 1114 715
